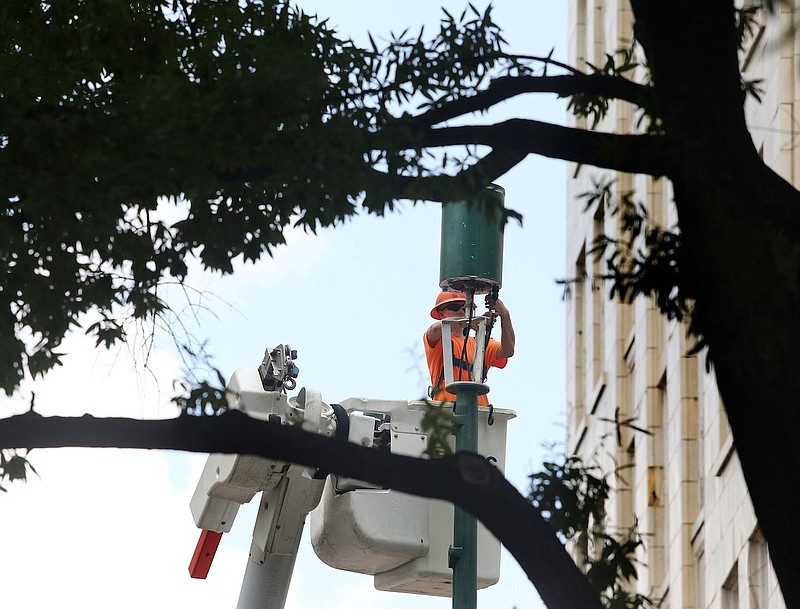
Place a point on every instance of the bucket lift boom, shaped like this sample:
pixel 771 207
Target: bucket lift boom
pixel 289 491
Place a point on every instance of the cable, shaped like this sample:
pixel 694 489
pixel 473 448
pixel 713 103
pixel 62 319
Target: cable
pixel 470 316
pixel 490 301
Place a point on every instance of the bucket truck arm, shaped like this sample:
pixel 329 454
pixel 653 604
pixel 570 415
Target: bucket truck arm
pixel 289 491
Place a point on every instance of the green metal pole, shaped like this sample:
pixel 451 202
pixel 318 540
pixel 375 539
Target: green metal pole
pixel 471 260
pixel 463 557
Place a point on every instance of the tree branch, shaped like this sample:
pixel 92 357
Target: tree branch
pixel 646 154
pixel 511 141
pixel 506 87
pixel 465 183
pixel 464 479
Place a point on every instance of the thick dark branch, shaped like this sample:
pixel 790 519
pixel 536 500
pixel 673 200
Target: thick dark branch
pixel 439 188
pixel 645 154
pixel 502 89
pixel 466 479
pixel 513 140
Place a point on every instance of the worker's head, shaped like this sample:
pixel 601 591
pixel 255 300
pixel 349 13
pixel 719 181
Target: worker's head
pixel 449 302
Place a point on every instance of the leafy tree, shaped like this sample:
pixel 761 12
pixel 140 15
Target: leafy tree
pixel 572 498
pixel 108 107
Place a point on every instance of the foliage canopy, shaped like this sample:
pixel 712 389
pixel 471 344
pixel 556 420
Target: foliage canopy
pixel 197 106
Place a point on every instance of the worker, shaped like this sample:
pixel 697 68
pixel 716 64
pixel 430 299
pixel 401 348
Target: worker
pixel 452 305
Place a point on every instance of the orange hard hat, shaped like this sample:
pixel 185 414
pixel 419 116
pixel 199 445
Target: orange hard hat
pixel 445 298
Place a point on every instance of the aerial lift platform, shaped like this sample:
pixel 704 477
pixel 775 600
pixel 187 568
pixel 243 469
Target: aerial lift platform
pixel 406 543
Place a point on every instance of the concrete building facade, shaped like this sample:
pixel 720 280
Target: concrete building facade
pixel 681 484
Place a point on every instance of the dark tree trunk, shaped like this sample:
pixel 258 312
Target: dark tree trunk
pixel 740 260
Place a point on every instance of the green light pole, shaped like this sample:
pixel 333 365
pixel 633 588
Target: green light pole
pixel 463 555
pixel 471 261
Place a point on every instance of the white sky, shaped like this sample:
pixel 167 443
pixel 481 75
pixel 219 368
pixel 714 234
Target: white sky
pixel 112 528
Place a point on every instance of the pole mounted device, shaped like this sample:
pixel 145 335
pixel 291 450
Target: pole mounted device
pixel 471 261
pixel 471 256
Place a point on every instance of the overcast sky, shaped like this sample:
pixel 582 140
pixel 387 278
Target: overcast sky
pixel 112 528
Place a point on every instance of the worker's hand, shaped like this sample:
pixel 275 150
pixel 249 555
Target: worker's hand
pixel 500 308
pixel 476 320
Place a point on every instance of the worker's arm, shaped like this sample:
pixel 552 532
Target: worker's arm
pixel 507 338
pixel 434 333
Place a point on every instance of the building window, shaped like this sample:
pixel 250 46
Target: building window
pixel 657 487
pixel 578 46
pixel 699 571
pixel 724 427
pixel 626 443
pixel 626 395
pixel 598 299
pixel 580 33
pixel 691 437
pixel 598 33
pixel 579 346
pixel 626 472
pixel 758 571
pixel 700 582
pixel 730 589
pixel 625 310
